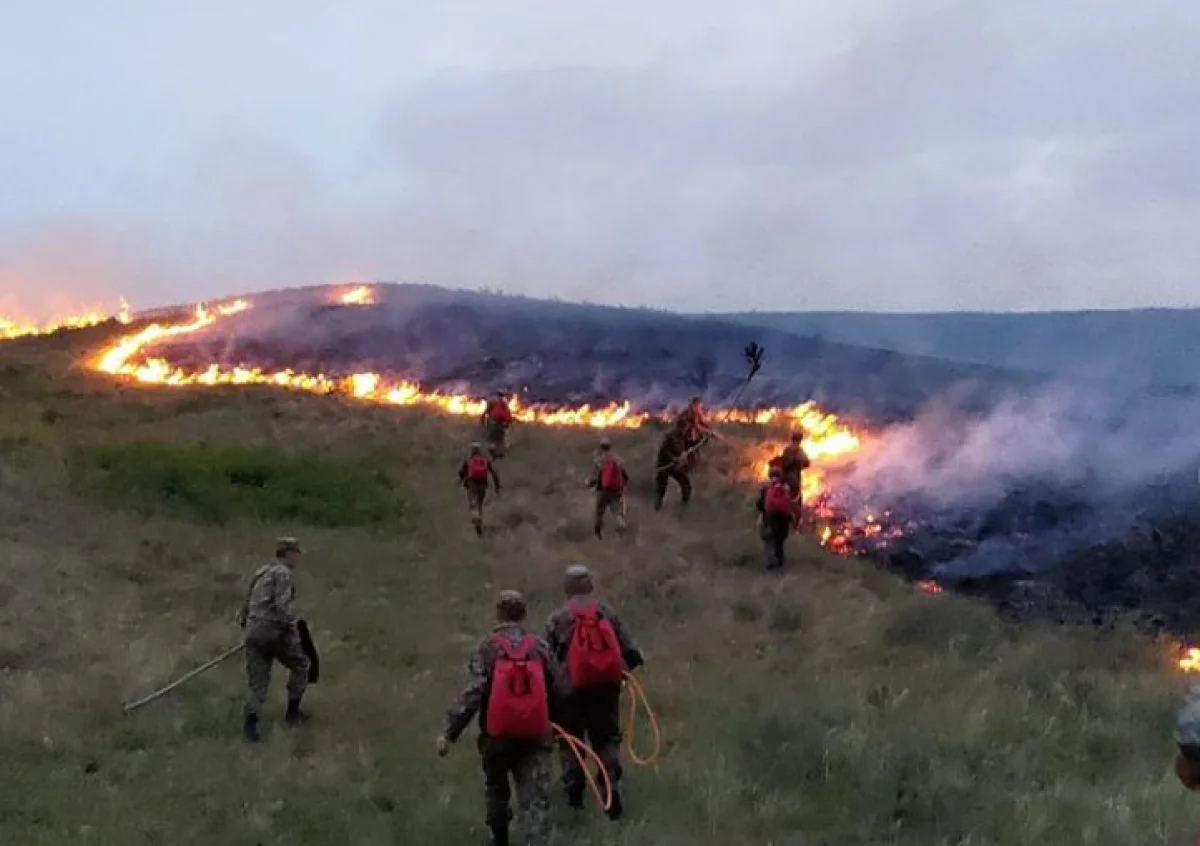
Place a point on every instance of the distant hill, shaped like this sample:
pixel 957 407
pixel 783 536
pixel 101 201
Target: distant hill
pixel 1150 346
pixel 563 352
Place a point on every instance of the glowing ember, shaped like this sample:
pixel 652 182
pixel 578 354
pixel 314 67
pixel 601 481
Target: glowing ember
pixel 1189 660
pixel 362 295
pixel 11 329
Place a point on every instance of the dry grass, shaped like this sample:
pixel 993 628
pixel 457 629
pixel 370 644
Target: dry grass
pixel 829 705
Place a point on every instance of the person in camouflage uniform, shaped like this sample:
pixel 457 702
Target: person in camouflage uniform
pixel 526 762
pixel 496 420
pixel 269 619
pixel 1187 736
pixel 773 528
pixel 793 461
pixel 477 490
pixel 692 425
pixel 591 714
pixel 608 500
pixel 672 463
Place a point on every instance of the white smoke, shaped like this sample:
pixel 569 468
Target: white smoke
pixel 1060 435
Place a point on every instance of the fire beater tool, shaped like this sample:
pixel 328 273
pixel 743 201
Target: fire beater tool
pixel 753 354
pixel 224 656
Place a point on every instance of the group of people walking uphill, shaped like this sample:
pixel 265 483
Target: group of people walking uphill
pixel 521 685
pixel 524 687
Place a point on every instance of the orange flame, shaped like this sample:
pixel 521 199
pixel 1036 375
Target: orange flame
pixel 11 329
pixel 127 358
pixel 362 295
pixel 827 440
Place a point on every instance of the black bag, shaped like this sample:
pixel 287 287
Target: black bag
pixel 310 651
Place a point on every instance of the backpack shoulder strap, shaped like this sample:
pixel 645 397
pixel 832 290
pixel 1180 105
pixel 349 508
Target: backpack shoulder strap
pixel 529 647
pixel 588 608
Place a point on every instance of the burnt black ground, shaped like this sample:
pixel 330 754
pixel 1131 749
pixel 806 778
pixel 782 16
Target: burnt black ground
pixel 568 353
pixel 1046 548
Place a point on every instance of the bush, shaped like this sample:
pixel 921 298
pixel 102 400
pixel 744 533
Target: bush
pixel 217 483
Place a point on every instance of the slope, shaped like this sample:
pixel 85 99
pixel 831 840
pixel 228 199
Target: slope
pixel 1141 346
pixel 566 352
pixel 830 705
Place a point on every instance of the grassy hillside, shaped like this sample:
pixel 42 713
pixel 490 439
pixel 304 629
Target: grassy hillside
pixel 830 705
pixel 1137 346
pixel 451 339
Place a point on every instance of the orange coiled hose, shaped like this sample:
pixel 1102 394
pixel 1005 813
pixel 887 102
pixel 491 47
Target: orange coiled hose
pixel 582 752
pixel 636 696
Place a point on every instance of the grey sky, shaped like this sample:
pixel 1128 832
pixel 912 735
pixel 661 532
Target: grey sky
pixel 986 154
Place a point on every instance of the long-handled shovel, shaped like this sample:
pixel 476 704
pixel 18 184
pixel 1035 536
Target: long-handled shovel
pixel 224 656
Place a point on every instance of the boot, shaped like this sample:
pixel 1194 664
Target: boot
pixel 250 729
pixel 616 809
pixel 294 715
pixel 500 835
pixel 478 528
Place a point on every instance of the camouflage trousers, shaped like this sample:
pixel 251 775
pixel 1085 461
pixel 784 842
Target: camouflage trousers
pixel 528 766
pixel 775 531
pixel 496 435
pixel 476 494
pixel 663 477
pixel 606 502
pixel 594 716
pixel 265 644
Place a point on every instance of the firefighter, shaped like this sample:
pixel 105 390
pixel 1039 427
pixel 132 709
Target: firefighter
pixel 496 420
pixel 672 463
pixel 516 687
pixel 693 426
pixel 474 473
pixel 610 480
pixel 793 461
pixel 778 515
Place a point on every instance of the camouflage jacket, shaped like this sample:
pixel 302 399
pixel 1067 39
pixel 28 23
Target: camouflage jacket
pixel 474 697
pixel 792 460
pixel 693 424
pixel 671 452
pixel 1187 724
pixel 558 630
pixel 270 597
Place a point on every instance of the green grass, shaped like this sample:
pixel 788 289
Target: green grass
pixel 216 483
pixel 832 704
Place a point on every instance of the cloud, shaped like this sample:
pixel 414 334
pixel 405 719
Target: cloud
pixel 881 155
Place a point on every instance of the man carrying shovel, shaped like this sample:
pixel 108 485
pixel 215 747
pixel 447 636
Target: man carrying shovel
pixel 273 634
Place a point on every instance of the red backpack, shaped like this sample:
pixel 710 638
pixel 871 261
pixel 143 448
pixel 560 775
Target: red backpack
pixel 477 468
pixel 778 499
pixel 611 478
pixel 594 653
pixel 499 411
pixel 517 705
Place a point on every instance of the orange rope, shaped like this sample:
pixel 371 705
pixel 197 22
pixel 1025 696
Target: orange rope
pixel 581 749
pixel 636 695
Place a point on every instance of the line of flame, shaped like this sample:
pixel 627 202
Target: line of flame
pixel 827 439
pixel 11 329
pixel 362 295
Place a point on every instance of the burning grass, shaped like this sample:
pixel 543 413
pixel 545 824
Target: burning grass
pixel 830 705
